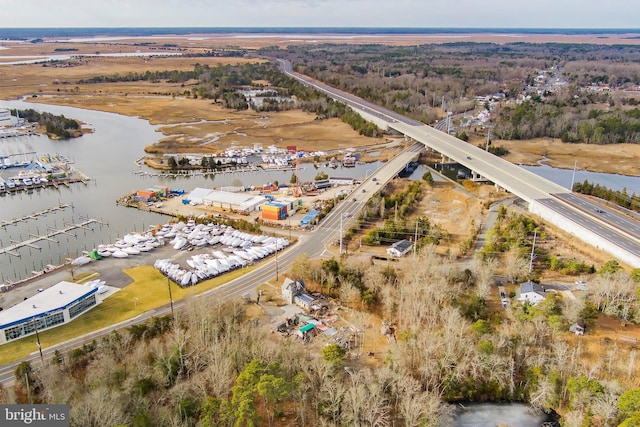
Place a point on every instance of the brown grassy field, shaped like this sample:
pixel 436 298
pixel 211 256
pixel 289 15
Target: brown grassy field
pixel 157 102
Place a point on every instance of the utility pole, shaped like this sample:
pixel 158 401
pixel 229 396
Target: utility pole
pixel 488 139
pixel 415 240
pixel 341 216
pixel 573 177
pixel 35 326
pixel 533 248
pixel 171 299
pixel 277 273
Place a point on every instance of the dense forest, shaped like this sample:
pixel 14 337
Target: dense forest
pixel 211 366
pixel 55 125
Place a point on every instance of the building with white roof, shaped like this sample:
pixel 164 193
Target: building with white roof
pixel 227 201
pixel 52 307
pixel 7 120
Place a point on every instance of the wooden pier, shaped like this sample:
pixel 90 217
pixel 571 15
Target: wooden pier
pixel 35 215
pixel 31 243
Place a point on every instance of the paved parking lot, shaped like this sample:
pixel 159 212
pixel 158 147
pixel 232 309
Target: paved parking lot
pixel 109 269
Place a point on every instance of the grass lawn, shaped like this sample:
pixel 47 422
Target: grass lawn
pixel 149 287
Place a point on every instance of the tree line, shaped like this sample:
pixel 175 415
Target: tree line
pixel 620 198
pixel 57 125
pixel 224 83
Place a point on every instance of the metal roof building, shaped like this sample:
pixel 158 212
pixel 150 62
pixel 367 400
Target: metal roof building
pixel 54 306
pixel 399 249
pixel 239 202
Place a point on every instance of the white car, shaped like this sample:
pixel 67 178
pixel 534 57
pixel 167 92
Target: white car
pixel 581 285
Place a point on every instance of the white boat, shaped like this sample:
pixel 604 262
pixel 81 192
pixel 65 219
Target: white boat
pixel 81 260
pixel 180 243
pixel 143 247
pixel 131 250
pixel 104 252
pixel 186 279
pixel 120 254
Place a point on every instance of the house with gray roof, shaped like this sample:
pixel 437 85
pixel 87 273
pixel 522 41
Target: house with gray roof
pixel 531 292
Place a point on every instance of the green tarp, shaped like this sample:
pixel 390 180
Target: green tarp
pixel 307 327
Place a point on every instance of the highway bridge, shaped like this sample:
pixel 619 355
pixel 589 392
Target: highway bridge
pixel 604 228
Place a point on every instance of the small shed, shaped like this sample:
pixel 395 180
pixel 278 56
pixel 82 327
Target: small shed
pixel 305 331
pixel 399 249
pixel 577 329
pixel 304 300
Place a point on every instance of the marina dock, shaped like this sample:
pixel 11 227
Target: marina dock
pixel 31 243
pixel 35 215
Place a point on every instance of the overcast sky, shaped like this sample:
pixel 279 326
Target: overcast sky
pixel 322 13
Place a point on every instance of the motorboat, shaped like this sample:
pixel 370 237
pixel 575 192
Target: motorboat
pixel 131 250
pixel 180 243
pixel 81 260
pixel 104 252
pixel 121 244
pixel 120 254
pixel 144 247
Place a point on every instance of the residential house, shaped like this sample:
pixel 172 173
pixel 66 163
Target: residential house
pixel 291 288
pixel 531 292
pixel 399 249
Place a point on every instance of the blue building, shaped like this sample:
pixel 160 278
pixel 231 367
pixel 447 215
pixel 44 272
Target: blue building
pixel 52 307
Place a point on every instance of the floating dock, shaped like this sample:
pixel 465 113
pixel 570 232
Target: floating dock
pixel 31 243
pixel 35 215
